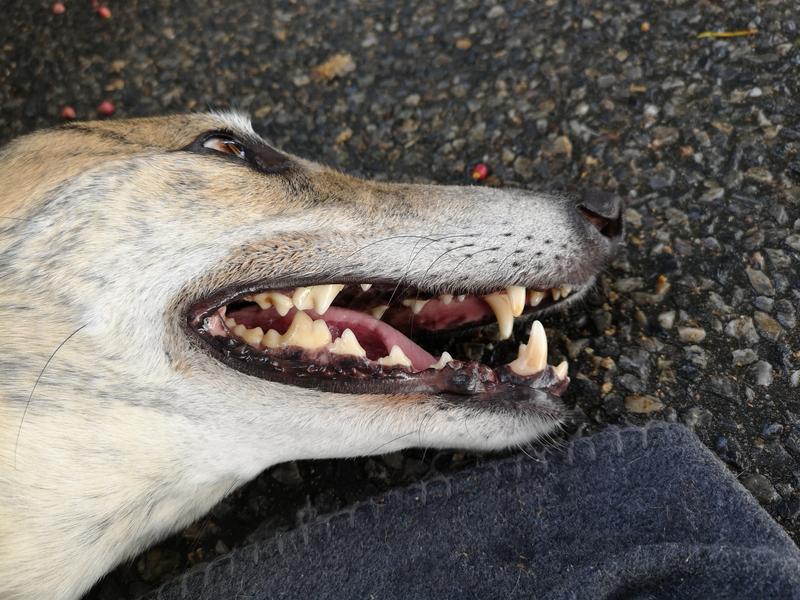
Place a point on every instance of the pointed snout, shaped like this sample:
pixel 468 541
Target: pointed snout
pixel 602 212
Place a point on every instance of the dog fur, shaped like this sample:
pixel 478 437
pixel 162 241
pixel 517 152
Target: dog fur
pixel 116 427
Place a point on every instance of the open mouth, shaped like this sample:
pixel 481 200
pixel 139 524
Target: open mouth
pixel 369 338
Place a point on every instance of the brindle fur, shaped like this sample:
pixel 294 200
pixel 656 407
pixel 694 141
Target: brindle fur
pixel 116 427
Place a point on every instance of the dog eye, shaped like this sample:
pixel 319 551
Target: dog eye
pixel 225 145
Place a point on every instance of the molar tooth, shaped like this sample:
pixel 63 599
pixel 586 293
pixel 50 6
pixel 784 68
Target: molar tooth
pixel 366 286
pixel 416 306
pixel 561 370
pixel 253 336
pixel 501 306
pixel 516 297
pixel 556 294
pixel 446 298
pixel 324 295
pixel 299 332
pixel 440 364
pixel 272 339
pixel 302 299
pixel 535 297
pixel 532 356
pixel 347 343
pixel 321 335
pixel 283 304
pixel 239 331
pixel 261 299
pixel 396 357
pixel 378 311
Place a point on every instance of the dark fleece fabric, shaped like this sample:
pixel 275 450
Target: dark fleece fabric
pixel 627 513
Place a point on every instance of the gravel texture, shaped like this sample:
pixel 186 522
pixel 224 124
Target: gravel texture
pixel 695 320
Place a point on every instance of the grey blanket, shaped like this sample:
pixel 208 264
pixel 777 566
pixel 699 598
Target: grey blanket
pixel 631 513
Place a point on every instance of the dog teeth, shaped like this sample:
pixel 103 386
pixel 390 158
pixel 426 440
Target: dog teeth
pixel 365 286
pixel 446 298
pixel 347 343
pixel 272 339
pixel 262 300
pixel 306 333
pixel 556 294
pixel 516 296
pixel 283 304
pixel 377 312
pixel 561 370
pixel 460 297
pixel 324 296
pixel 302 298
pixel 396 357
pixel 535 297
pixel 501 305
pixel 416 306
pixel 566 290
pixel 532 356
pixel 443 361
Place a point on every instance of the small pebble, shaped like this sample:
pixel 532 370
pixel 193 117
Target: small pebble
pixel 760 487
pixel 691 334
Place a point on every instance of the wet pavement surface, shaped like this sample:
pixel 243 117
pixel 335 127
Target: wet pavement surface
pixel 695 320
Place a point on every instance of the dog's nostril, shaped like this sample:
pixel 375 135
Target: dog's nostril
pixel 604 211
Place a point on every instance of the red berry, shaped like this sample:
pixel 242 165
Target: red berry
pixel 106 108
pixel 480 172
pixel 58 8
pixel 104 12
pixel 67 113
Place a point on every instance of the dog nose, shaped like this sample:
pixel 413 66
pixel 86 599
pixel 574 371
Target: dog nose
pixel 603 211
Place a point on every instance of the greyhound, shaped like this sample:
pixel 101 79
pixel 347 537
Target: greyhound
pixel 187 305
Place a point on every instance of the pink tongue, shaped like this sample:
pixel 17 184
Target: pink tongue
pixel 366 327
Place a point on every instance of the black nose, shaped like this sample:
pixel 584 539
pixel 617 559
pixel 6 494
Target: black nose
pixel 604 211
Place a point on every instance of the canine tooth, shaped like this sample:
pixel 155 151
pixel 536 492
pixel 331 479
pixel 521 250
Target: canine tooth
pixel 566 290
pixel 556 294
pixel 283 304
pixel 261 299
pixel 440 364
pixel 460 297
pixel 535 297
pixel 366 286
pixel 561 370
pixel 302 299
pixel 446 298
pixel 347 343
pixel 516 297
pixel 299 332
pixel 396 357
pixel 416 306
pixel 501 305
pixel 272 339
pixel 230 323
pixel 378 311
pixel 253 336
pixel 324 295
pixel 532 356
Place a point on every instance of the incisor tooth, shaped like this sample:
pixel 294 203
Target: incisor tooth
pixel 253 336
pixel 566 290
pixel 396 357
pixel 561 370
pixel 516 297
pixel 262 300
pixel 460 297
pixel 272 339
pixel 347 344
pixel 324 295
pixel 502 311
pixel 535 297
pixel 556 294
pixel 416 306
pixel 440 364
pixel 446 298
pixel 366 286
pixel 283 304
pixel 302 299
pixel 378 311
pixel 532 356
